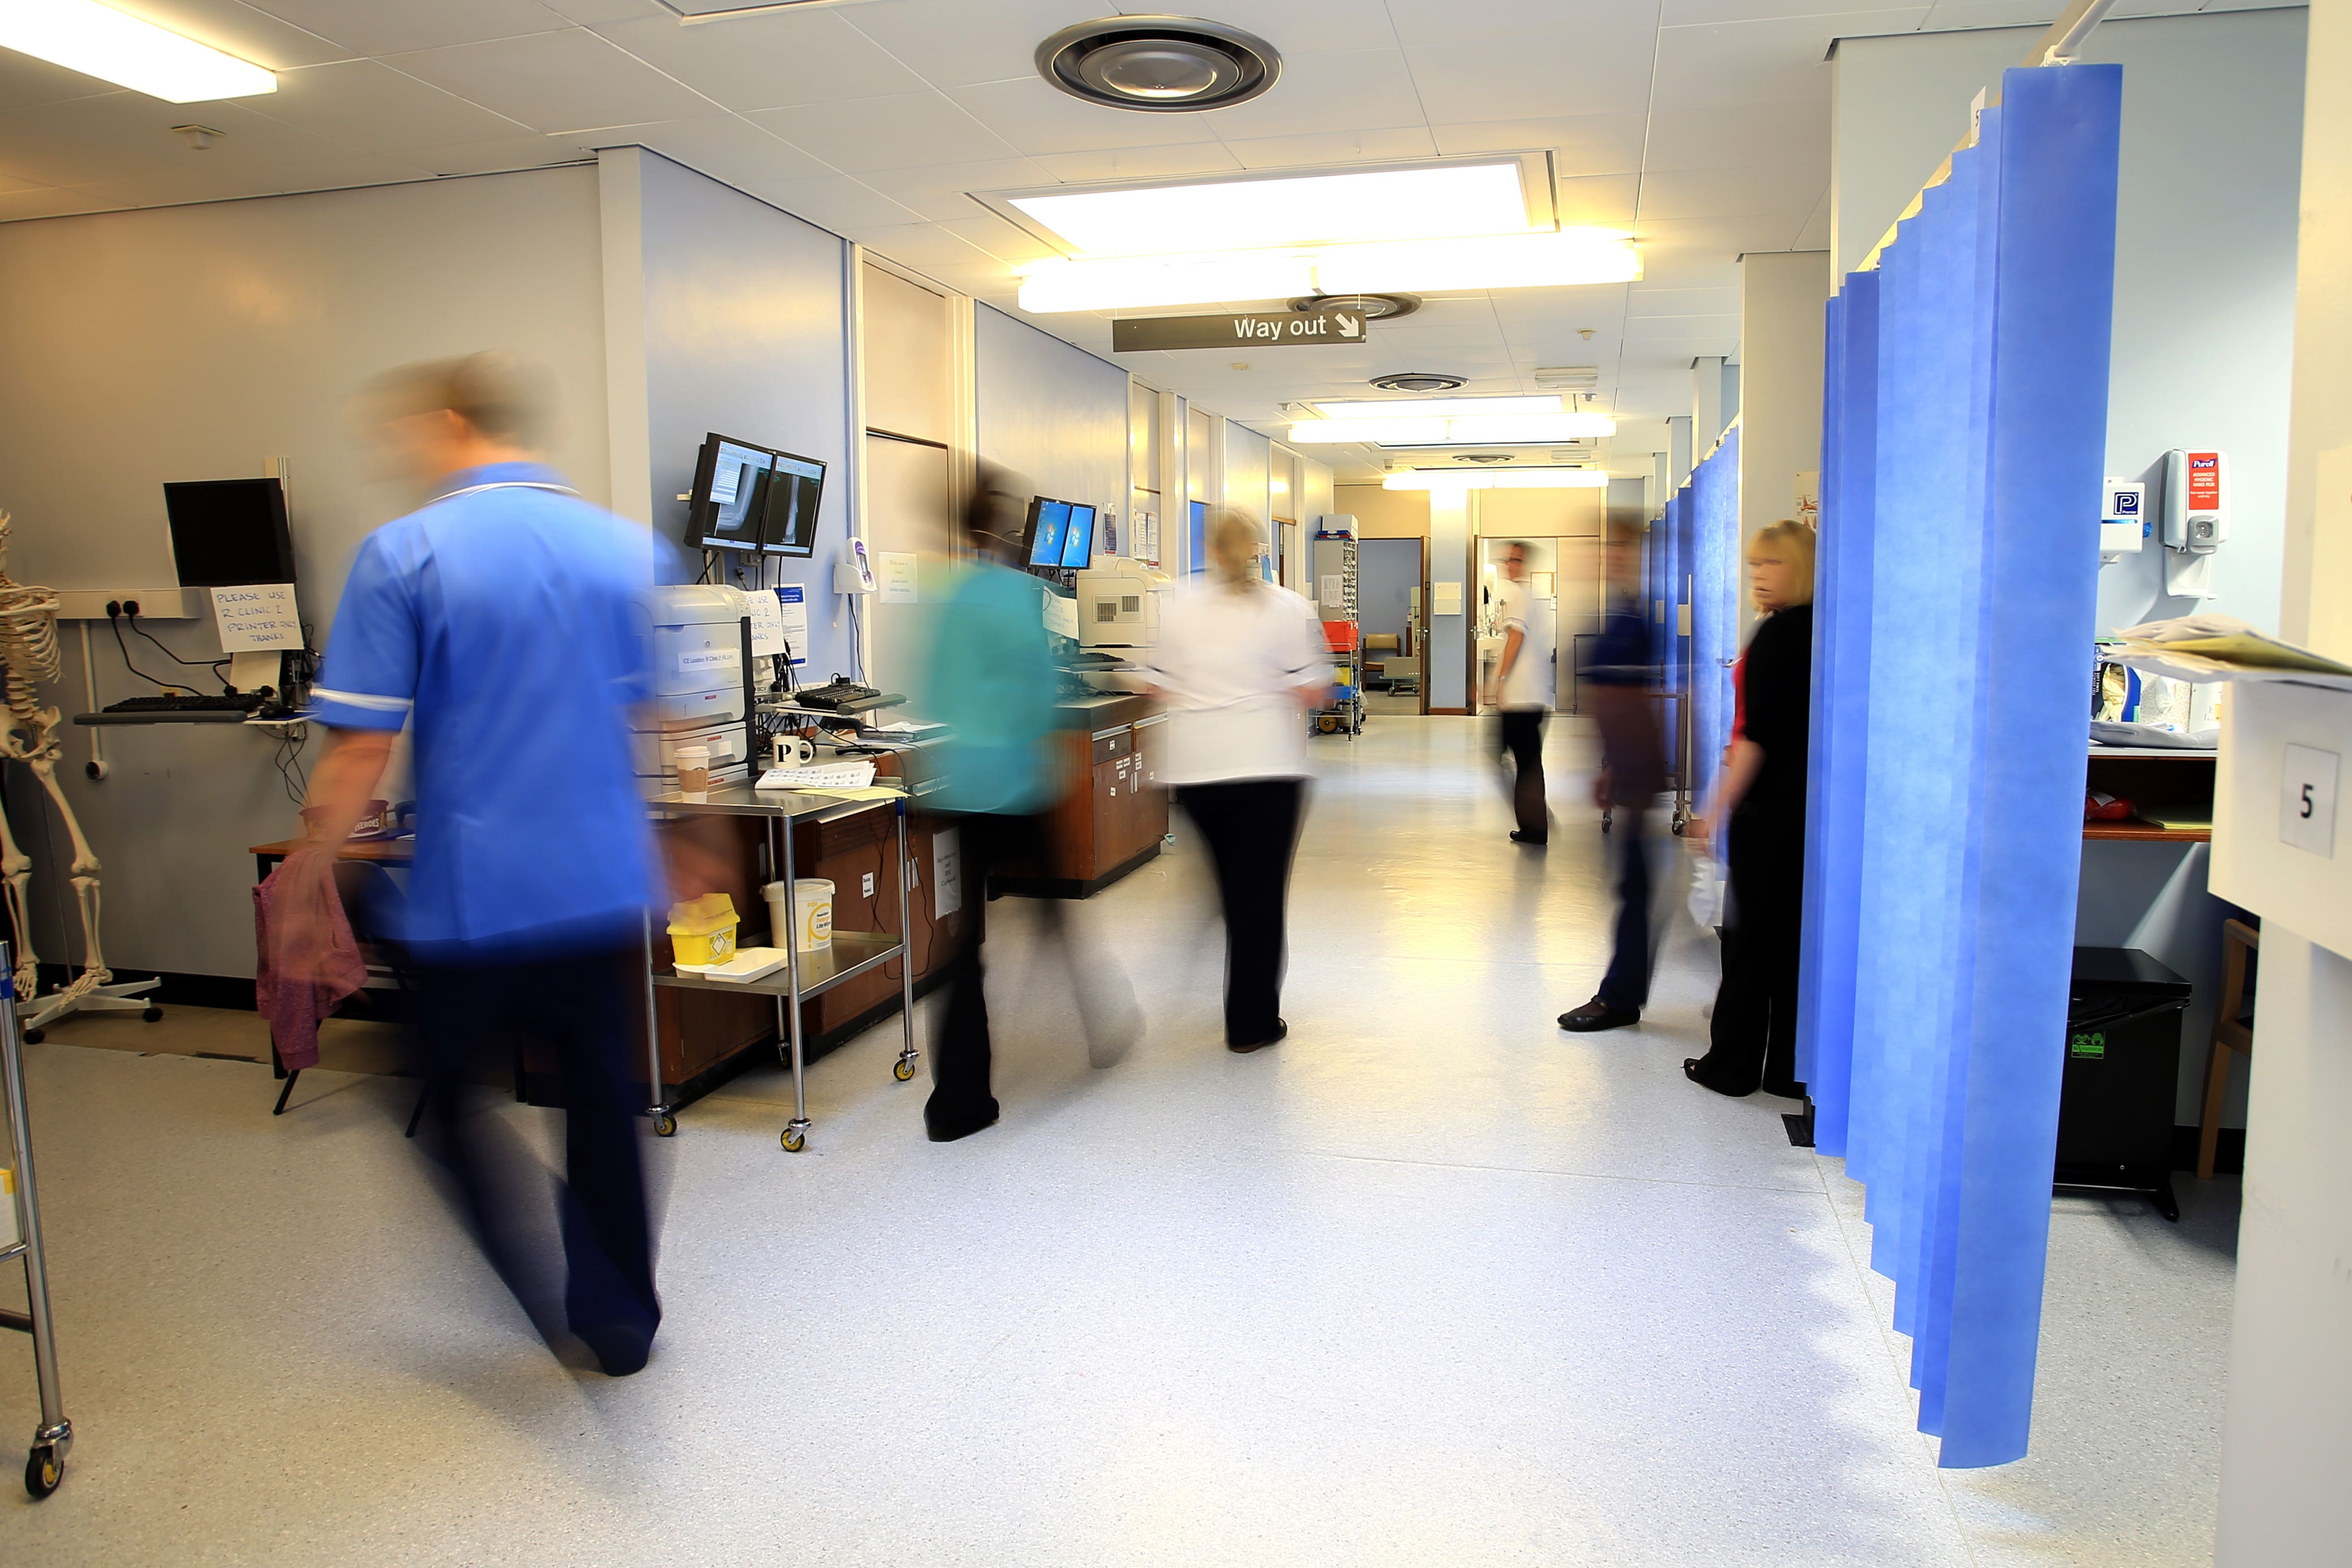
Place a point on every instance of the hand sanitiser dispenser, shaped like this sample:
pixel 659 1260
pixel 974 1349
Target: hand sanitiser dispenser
pixel 2196 520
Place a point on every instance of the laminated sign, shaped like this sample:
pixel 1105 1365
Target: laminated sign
pixel 2204 481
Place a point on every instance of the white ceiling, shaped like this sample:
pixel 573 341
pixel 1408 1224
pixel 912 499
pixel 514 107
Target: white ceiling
pixel 1703 125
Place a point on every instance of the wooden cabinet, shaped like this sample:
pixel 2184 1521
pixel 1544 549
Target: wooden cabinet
pixel 1115 812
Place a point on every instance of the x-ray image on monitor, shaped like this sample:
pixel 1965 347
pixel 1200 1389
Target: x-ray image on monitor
pixel 730 486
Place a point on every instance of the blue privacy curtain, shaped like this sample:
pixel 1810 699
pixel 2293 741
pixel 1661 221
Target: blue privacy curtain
pixel 1964 438
pixel 1717 574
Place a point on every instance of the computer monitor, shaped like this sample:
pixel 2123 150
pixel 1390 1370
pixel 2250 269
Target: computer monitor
pixel 227 533
pixel 729 497
pixel 1078 538
pixel 1048 522
pixel 795 488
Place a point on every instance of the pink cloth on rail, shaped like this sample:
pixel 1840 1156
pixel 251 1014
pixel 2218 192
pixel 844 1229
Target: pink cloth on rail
pixel 308 959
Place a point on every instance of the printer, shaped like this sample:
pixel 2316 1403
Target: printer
pixel 702 684
pixel 1119 604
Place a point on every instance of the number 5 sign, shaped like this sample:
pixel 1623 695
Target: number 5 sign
pixel 2307 800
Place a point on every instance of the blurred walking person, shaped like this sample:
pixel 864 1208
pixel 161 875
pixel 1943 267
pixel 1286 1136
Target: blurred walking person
pixel 1614 684
pixel 503 624
pixel 1760 807
pixel 1522 692
pixel 988 672
pixel 1239 663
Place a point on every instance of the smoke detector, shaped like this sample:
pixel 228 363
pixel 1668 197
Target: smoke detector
pixel 1159 64
pixel 1370 306
pixel 1418 382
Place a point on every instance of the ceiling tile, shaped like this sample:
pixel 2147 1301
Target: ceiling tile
pixel 903 131
pixel 377 28
pixel 1579 143
pixel 263 179
pixel 942 190
pixel 1706 136
pixel 1606 198
pixel 834 201
pixel 1815 234
pixel 1957 16
pixel 1446 23
pixel 1597 72
pixel 725 147
pixel 1005 241
pixel 557 81
pixel 1362 89
pixel 1689 13
pixel 368 105
pixel 768 62
pixel 1786 195
pixel 1763 62
pixel 592 13
pixel 956 43
pixel 1396 145
pixel 927 248
pixel 1036 119
pixel 248 31
pixel 1175 163
pixel 127 134
pixel 1302 26
pixel 1682 302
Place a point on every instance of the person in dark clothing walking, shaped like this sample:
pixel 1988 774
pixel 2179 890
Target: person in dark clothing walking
pixel 1614 682
pixel 1761 801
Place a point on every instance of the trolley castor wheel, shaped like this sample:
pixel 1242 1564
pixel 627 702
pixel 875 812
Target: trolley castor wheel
pixel 43 1471
pixel 152 1015
pixel 664 1124
pixel 35 1036
pixel 794 1140
pixel 904 1070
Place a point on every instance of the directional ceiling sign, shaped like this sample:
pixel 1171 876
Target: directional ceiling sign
pixel 1243 329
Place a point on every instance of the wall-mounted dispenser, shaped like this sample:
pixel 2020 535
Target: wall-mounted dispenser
pixel 2196 520
pixel 2122 520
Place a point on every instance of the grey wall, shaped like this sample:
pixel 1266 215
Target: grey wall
pixel 193 342
pixel 1055 415
pixel 744 326
pixel 2205 259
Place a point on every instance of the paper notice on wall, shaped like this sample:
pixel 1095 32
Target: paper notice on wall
pixel 947 873
pixel 1809 497
pixel 767 622
pixel 793 607
pixel 258 617
pixel 1446 599
pixel 1329 589
pixel 898 576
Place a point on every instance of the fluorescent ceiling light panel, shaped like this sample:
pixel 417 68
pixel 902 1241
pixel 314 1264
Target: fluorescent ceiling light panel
pixel 1571 258
pixel 1434 407
pixel 99 41
pixel 1312 210
pixel 1484 429
pixel 1525 479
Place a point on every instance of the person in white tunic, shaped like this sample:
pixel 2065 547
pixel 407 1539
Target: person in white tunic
pixel 1522 691
pixel 1239 663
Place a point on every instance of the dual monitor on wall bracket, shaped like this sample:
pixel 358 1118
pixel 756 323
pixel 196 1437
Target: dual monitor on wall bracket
pixel 1059 536
pixel 747 496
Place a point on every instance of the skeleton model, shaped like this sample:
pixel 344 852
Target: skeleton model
pixel 28 649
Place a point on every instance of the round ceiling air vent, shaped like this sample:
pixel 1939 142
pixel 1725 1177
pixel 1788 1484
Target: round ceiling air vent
pixel 1370 306
pixel 1158 64
pixel 1418 381
pixel 1483 457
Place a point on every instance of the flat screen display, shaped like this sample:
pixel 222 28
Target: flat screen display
pixel 1078 538
pixel 730 492
pixel 227 533
pixel 1047 531
pixel 795 487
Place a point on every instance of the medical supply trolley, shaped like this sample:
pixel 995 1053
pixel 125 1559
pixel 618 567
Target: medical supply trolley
pixel 53 1439
pixel 804 976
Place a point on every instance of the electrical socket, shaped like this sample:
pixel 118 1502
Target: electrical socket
pixel 869 884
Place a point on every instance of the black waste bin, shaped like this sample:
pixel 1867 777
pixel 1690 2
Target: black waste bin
pixel 2124 1016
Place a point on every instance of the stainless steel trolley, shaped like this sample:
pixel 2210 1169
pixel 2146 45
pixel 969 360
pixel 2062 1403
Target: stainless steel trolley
pixel 53 1439
pixel 805 974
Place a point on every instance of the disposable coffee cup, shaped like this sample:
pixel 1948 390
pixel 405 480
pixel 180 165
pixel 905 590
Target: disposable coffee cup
pixel 693 771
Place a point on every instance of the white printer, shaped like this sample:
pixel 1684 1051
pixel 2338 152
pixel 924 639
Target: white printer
pixel 1118 605
pixel 702 682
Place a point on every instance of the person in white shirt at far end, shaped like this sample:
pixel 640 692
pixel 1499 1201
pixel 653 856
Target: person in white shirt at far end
pixel 1522 692
pixel 1239 663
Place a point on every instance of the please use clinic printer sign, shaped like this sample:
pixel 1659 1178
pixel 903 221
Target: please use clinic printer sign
pixel 258 617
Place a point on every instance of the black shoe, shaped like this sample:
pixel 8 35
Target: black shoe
pixel 1597 1015
pixel 621 1348
pixel 1280 1030
pixel 1694 1069
pixel 1538 840
pixel 946 1128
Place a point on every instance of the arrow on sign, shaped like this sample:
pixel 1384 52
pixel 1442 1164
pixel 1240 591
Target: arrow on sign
pixel 1349 326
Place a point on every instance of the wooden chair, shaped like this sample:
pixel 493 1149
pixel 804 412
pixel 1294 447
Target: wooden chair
pixel 2233 1030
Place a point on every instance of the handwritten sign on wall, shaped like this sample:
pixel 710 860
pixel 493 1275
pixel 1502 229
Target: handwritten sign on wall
pixel 258 617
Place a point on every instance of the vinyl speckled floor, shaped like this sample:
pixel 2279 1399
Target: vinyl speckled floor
pixel 1428 1283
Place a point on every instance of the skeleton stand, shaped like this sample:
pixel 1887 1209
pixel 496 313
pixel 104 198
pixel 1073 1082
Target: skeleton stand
pixel 28 649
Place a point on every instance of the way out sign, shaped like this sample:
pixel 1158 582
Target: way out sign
pixel 1247 330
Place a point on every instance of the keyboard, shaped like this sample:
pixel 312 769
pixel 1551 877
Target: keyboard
pixel 226 702
pixel 834 694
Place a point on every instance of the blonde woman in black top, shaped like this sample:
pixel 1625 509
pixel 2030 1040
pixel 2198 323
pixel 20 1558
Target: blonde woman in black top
pixel 1760 807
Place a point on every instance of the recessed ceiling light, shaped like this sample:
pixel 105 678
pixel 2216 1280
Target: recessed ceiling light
pixel 1566 258
pixel 1445 201
pixel 1158 64
pixel 1433 407
pixel 99 41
